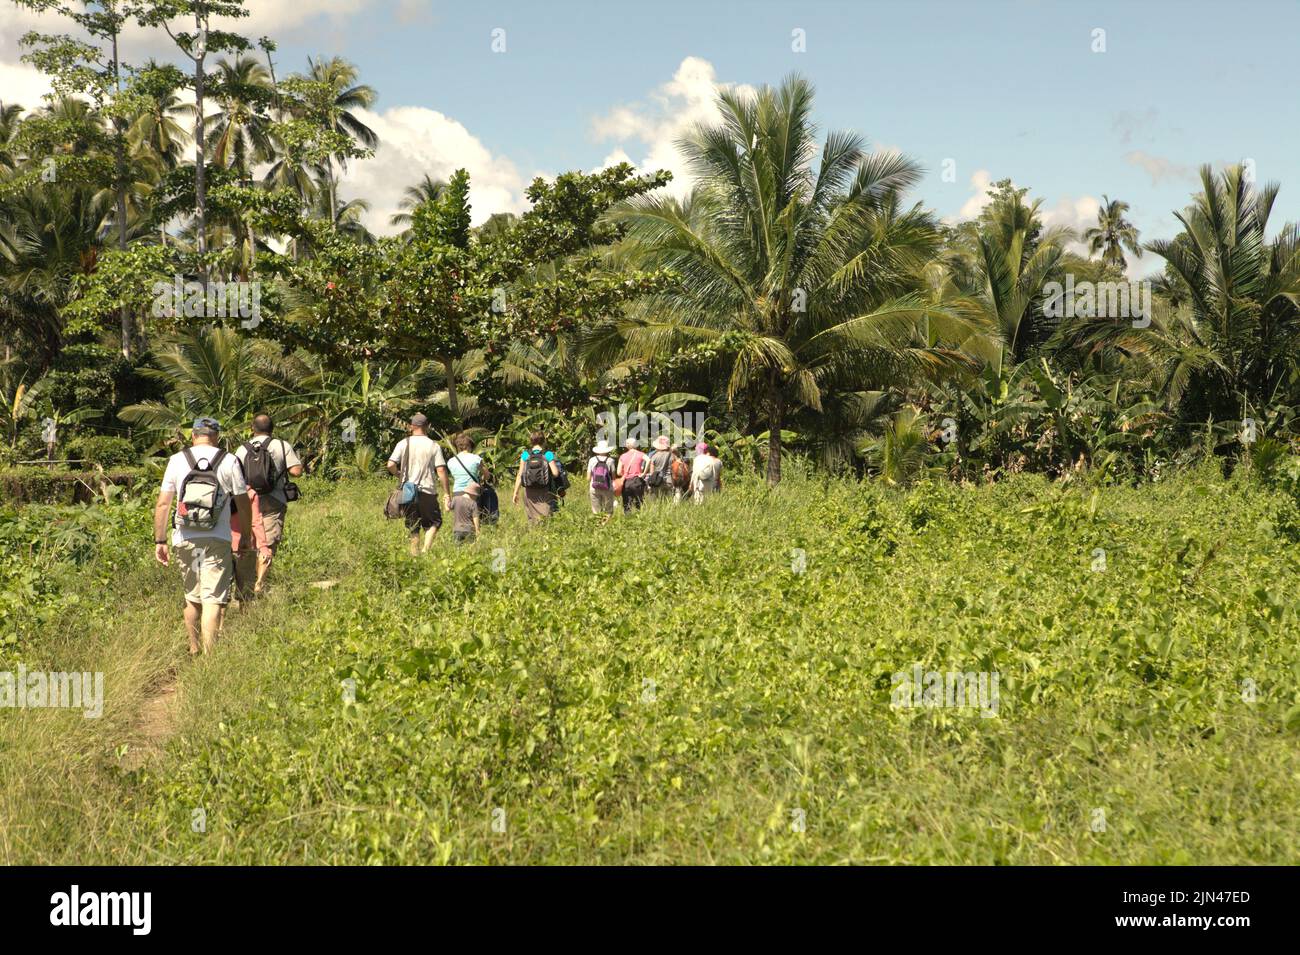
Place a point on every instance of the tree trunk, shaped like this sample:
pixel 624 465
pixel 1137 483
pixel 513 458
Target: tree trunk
pixel 453 402
pixel 119 150
pixel 200 155
pixel 329 169
pixel 252 250
pixel 775 420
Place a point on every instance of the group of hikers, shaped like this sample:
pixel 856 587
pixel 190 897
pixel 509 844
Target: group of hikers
pixel 229 515
pixel 423 469
pixel 228 521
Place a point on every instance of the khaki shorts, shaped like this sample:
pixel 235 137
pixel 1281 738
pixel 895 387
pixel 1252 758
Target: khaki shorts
pixel 207 567
pixel 272 521
pixel 602 502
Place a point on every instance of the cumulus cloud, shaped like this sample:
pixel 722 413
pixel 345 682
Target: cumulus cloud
pixel 22 84
pixel 980 181
pixel 273 17
pixel 670 111
pixel 413 141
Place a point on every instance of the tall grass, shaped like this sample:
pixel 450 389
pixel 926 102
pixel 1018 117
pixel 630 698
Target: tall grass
pixel 690 683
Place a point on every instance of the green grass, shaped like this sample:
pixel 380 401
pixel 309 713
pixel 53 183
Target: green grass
pixel 527 688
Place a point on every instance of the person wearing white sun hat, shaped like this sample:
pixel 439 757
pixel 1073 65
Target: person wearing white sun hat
pixel 601 470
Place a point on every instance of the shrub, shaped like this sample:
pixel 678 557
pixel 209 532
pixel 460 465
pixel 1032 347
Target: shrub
pixel 35 484
pixel 104 450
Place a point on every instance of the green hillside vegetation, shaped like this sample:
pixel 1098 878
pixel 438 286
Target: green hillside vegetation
pixel 680 707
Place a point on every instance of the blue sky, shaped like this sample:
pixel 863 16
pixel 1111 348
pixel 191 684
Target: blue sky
pixel 1002 88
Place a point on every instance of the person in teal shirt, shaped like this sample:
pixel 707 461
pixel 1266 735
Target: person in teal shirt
pixel 464 466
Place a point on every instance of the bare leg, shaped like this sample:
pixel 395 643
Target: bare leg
pixel 415 544
pixel 192 614
pixel 213 614
pixel 263 565
pixel 429 535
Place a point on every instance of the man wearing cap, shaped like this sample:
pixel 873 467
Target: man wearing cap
pixel 273 503
pixel 205 558
pixel 417 458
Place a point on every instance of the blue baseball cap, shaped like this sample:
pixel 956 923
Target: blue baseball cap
pixel 205 423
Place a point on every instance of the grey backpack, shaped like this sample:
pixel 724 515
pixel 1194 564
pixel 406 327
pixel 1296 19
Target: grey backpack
pixel 202 498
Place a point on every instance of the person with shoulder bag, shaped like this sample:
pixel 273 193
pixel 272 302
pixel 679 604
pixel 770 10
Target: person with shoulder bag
pixel 415 498
pixel 467 471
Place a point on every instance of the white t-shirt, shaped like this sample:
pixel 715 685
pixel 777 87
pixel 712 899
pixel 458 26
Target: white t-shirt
pixel 705 471
pixel 422 465
pixel 230 477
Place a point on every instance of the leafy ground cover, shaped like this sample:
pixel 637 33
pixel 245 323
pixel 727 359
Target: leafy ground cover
pixel 708 684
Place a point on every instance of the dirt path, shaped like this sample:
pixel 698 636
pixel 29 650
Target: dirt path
pixel 156 722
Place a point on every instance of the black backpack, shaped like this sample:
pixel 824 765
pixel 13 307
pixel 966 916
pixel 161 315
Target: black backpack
pixel 561 483
pixel 259 467
pixel 537 473
pixel 489 508
pixel 662 474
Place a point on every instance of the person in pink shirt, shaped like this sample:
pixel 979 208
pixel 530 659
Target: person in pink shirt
pixel 251 568
pixel 631 470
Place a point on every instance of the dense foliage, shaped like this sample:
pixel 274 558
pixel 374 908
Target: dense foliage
pixel 794 293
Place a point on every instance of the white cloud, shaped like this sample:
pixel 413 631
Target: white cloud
pixel 1073 214
pixel 413 141
pixel 22 84
pixel 266 17
pixel 670 111
pixel 1077 214
pixel 980 181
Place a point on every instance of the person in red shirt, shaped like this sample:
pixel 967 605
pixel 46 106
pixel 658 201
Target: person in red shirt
pixel 631 469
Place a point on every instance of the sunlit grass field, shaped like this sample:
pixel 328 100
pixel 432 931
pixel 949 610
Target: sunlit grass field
pixel 711 684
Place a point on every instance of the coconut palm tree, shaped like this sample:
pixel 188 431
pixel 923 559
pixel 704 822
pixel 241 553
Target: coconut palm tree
pixel 998 265
pixel 797 264
pixel 1232 348
pixel 156 127
pixel 239 132
pixel 50 233
pixel 216 371
pixel 1113 233
pixel 10 119
pixel 345 95
pixel 427 190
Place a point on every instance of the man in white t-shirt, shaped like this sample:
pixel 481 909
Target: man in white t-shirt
pixel 202 548
pixel 417 458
